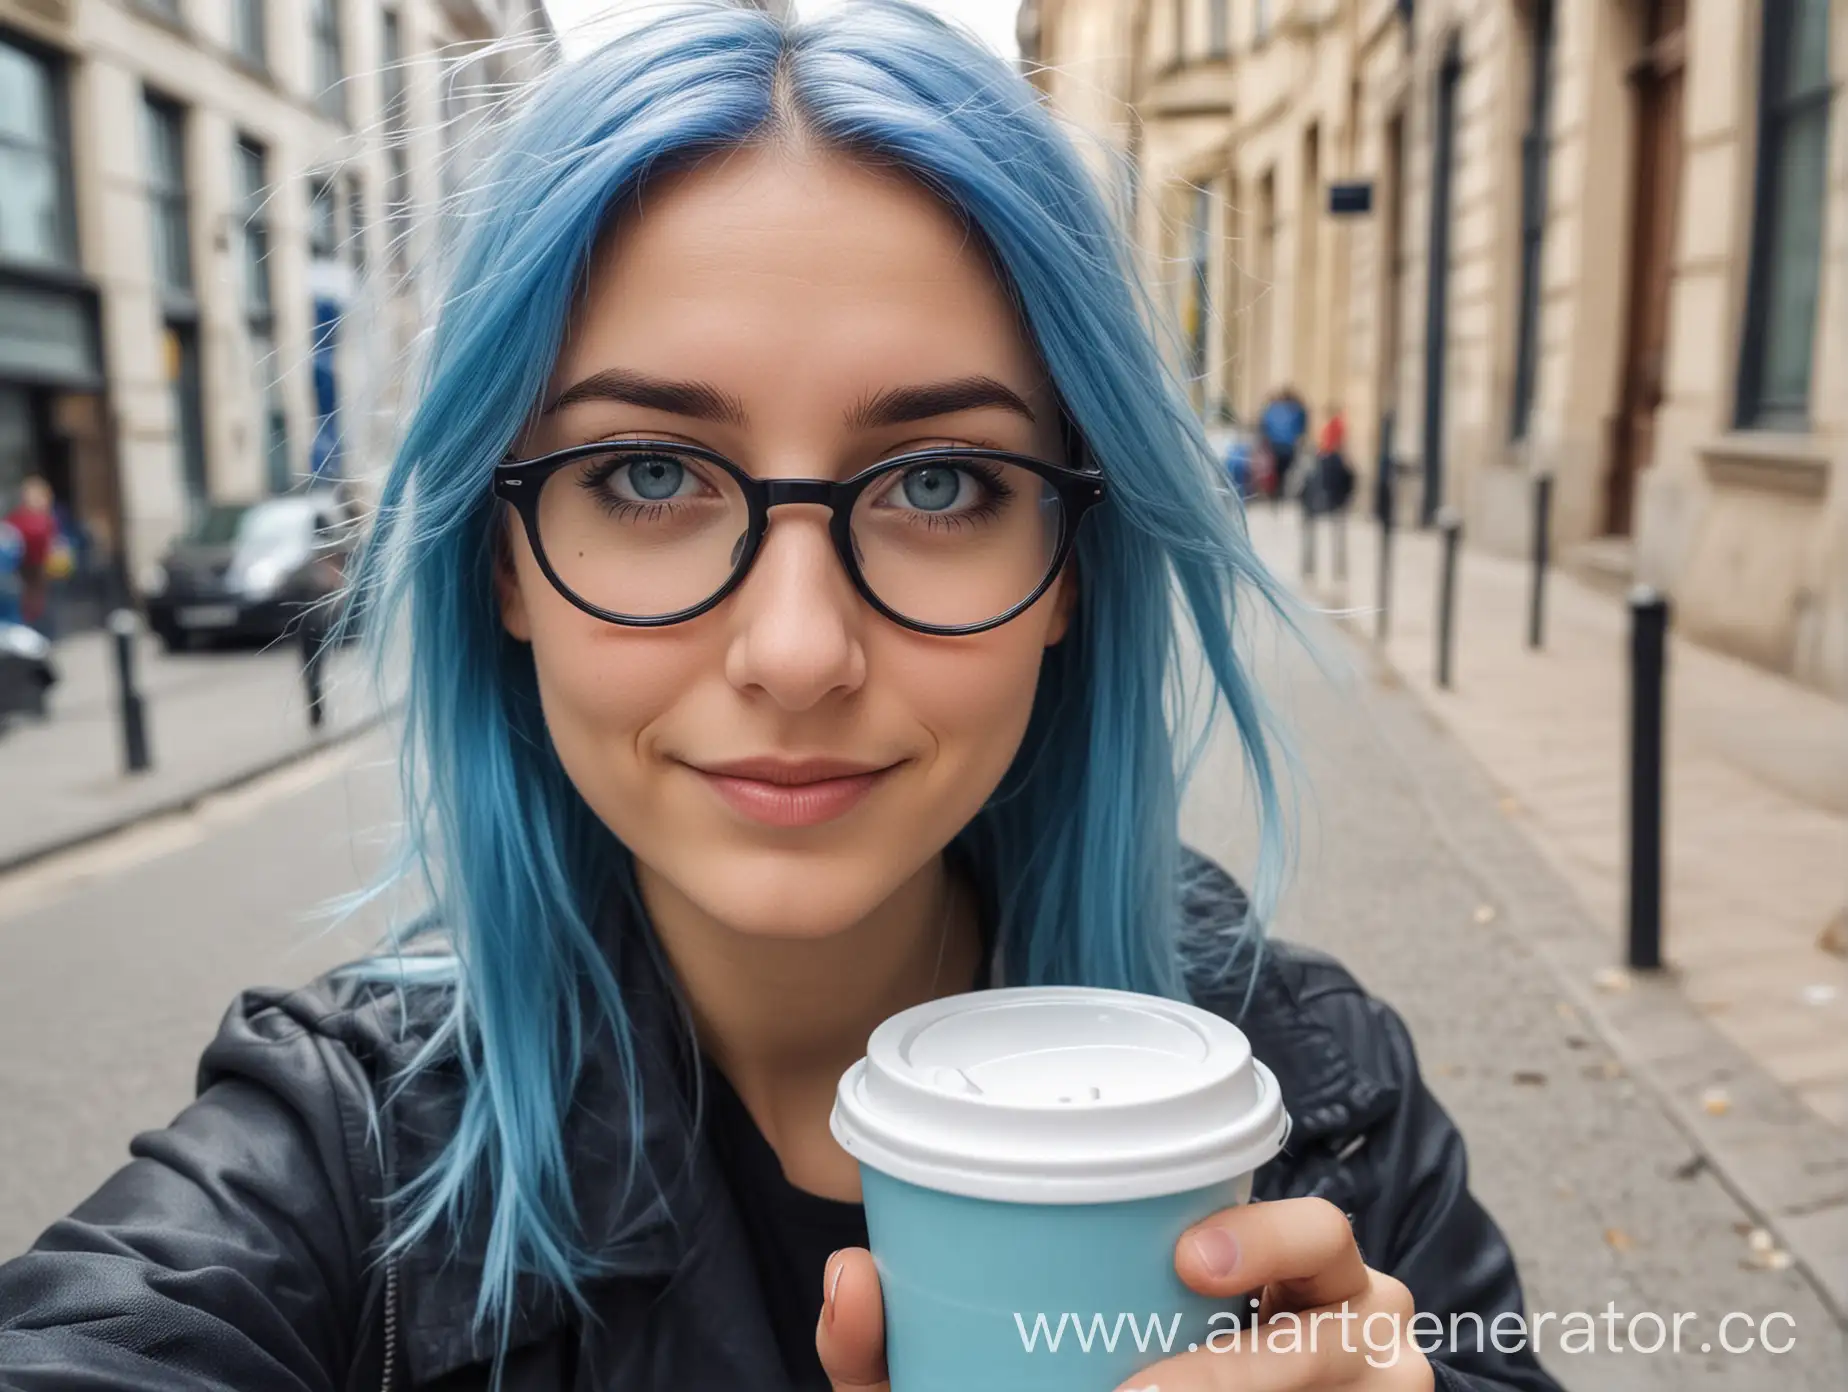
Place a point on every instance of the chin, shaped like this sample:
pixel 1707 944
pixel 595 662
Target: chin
pixel 786 892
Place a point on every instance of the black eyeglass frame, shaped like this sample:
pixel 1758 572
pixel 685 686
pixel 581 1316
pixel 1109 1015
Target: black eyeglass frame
pixel 518 482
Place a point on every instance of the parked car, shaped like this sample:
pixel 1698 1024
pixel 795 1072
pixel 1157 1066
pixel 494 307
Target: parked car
pixel 26 671
pixel 249 570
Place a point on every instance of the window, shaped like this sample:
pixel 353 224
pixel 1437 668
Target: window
pixel 397 134
pixel 166 9
pixel 1218 27
pixel 273 421
pixel 253 207
pixel 165 126
pixel 329 74
pixel 1786 274
pixel 1199 271
pixel 1534 147
pixel 1260 20
pixel 250 32
pixel 323 219
pixel 36 225
pixel 356 221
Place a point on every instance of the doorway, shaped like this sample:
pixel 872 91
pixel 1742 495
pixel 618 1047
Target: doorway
pixel 1656 79
pixel 1437 280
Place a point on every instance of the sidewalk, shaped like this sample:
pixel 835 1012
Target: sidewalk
pixel 1757 785
pixel 213 719
pixel 1746 1032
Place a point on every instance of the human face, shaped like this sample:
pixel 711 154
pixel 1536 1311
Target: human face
pixel 785 762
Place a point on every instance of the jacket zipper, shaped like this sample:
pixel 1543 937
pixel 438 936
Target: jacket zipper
pixel 391 1323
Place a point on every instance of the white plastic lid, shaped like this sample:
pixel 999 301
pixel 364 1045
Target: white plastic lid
pixel 1060 1094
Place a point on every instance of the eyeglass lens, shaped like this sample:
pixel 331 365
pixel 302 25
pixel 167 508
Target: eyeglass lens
pixel 946 543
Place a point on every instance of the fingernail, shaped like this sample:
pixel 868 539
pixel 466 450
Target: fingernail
pixel 1216 1250
pixel 834 1284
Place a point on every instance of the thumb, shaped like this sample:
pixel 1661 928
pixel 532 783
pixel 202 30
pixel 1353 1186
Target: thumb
pixel 850 1336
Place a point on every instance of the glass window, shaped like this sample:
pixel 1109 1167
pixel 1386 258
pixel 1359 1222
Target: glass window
pixel 323 219
pixel 272 419
pixel 329 74
pixel 250 32
pixel 1260 20
pixel 1218 27
pixel 253 206
pixel 1198 307
pixel 35 212
pixel 165 126
pixel 166 9
pixel 356 220
pixel 1786 276
pixel 397 134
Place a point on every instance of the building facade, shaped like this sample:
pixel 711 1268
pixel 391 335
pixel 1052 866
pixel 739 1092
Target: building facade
pixel 1601 240
pixel 213 219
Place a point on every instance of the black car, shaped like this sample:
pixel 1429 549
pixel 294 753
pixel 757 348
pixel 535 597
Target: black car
pixel 249 570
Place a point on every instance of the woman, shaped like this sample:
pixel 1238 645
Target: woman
pixel 707 778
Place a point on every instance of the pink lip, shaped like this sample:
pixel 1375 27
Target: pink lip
pixel 792 793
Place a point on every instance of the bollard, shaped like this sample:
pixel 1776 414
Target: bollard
pixel 135 755
pixel 314 644
pixel 1648 662
pixel 1337 526
pixel 1543 530
pixel 1452 527
pixel 1308 542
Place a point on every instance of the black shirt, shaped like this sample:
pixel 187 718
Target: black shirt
pixel 791 1231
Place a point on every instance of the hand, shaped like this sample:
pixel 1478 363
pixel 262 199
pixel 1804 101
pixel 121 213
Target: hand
pixel 1325 1319
pixel 850 1336
pixel 1299 1253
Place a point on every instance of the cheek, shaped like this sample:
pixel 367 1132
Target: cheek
pixel 601 687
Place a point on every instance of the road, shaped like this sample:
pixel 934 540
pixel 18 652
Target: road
pixel 116 963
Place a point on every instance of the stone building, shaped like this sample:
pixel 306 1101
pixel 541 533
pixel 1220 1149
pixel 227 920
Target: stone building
pixel 213 220
pixel 1603 240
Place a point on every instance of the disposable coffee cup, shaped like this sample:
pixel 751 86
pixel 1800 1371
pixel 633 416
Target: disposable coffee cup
pixel 1029 1158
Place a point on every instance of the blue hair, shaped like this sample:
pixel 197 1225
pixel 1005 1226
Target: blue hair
pixel 1082 836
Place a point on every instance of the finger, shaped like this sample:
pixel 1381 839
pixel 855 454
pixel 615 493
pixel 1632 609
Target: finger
pixel 1358 1342
pixel 850 1336
pixel 1301 1250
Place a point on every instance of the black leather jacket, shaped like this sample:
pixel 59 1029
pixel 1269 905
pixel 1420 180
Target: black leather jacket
pixel 234 1250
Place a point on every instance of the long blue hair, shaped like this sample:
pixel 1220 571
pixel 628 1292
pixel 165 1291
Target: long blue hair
pixel 1081 839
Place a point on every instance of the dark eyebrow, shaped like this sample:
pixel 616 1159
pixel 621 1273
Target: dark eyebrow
pixel 902 405
pixel 703 401
pixel 700 400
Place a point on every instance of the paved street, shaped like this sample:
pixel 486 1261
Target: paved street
pixel 212 718
pixel 116 961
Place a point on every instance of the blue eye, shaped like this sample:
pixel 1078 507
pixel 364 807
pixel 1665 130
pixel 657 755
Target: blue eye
pixel 654 480
pixel 932 487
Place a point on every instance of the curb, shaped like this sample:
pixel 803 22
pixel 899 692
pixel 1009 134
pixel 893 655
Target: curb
pixel 1783 1164
pixel 181 803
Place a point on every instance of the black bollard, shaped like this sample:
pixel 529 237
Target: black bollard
pixel 1452 527
pixel 1337 527
pixel 1308 542
pixel 314 645
pixel 135 753
pixel 1648 664
pixel 1543 530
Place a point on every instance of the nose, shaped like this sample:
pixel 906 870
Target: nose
pixel 797 616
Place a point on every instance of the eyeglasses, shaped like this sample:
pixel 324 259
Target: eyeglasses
pixel 655 532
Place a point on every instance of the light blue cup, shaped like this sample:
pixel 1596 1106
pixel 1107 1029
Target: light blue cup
pixel 1029 1158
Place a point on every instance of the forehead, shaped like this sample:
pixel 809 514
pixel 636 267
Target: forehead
pixel 773 264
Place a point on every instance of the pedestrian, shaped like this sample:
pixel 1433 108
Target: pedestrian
pixel 707 786
pixel 1333 480
pixel 1283 423
pixel 46 553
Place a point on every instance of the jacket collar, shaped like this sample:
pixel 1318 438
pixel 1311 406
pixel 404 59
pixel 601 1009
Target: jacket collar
pixel 641 1236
